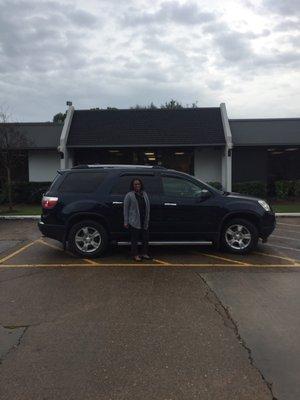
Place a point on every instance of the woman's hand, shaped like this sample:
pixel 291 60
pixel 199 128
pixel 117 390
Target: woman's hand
pixel 126 226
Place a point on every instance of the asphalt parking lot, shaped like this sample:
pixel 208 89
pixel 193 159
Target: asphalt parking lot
pixel 192 323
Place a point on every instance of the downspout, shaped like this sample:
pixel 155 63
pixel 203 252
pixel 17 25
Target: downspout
pixel 227 156
pixel 65 159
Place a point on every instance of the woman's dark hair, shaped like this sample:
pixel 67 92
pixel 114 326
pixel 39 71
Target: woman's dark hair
pixel 136 179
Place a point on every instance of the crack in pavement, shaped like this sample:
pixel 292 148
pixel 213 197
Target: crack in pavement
pixel 223 311
pixel 11 337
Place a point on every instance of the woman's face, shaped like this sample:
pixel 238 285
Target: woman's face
pixel 137 185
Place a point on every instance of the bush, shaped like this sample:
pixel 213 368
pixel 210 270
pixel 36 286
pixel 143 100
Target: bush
pixel 25 192
pixel 254 188
pixel 285 189
pixel 297 188
pixel 216 185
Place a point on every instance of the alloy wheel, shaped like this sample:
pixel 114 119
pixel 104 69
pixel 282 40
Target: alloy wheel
pixel 238 237
pixel 87 239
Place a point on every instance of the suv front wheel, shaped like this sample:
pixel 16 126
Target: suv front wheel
pixel 239 236
pixel 87 239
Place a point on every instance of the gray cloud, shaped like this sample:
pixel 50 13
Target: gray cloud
pixel 46 36
pixel 283 7
pixel 123 52
pixel 188 13
pixel 288 25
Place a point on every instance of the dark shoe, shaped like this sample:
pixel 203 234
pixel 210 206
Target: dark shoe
pixel 137 258
pixel 146 257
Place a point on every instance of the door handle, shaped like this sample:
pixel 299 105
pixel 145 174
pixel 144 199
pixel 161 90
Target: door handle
pixel 117 202
pixel 170 204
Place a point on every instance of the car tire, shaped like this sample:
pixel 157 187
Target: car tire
pixel 87 239
pixel 239 236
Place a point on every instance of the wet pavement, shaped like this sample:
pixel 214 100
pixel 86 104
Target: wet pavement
pixel 192 323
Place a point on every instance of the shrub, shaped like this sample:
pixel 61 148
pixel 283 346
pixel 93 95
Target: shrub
pixel 216 185
pixel 285 189
pixel 297 188
pixel 253 188
pixel 25 192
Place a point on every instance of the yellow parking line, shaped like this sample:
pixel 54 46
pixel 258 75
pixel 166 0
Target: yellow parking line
pixel 88 260
pixel 282 223
pixel 50 245
pixel 285 237
pixel 223 258
pixel 281 247
pixel 66 251
pixel 287 230
pixel 7 266
pixel 274 256
pixel 18 251
pixel 161 261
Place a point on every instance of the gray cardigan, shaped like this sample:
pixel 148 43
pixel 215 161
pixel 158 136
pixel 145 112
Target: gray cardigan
pixel 132 213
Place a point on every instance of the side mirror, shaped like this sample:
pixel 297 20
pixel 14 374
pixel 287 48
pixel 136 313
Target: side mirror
pixel 203 195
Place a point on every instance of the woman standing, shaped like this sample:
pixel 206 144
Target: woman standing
pixel 136 218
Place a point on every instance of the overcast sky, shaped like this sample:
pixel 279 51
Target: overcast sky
pixel 100 53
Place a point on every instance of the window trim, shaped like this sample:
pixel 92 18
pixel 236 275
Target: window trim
pixel 166 175
pixel 85 172
pixel 155 175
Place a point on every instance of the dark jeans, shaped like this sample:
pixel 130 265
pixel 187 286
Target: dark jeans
pixel 137 234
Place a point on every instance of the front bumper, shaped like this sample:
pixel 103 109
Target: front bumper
pixel 56 232
pixel 268 225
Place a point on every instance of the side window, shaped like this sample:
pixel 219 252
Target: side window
pixel 82 182
pixel 180 187
pixel 151 184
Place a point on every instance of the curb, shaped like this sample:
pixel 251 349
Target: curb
pixel 20 217
pixel 296 214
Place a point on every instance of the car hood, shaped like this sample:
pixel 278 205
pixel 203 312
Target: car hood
pixel 234 195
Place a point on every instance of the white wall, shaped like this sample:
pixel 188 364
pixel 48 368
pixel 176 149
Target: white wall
pixel 42 165
pixel 208 164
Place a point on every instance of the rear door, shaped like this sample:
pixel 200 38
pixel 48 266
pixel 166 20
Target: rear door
pixel 121 186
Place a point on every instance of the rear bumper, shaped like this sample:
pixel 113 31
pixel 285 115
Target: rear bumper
pixel 56 232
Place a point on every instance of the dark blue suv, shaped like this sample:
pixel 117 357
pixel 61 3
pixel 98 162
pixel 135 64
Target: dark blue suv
pixel 83 209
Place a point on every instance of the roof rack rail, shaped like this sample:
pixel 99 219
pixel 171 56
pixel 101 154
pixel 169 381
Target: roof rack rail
pixel 87 166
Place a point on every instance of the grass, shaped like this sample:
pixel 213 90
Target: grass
pixel 21 209
pixel 286 206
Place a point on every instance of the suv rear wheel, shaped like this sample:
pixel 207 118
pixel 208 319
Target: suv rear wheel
pixel 87 239
pixel 239 236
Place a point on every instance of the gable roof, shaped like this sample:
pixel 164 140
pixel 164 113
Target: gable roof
pixel 139 128
pixel 265 132
pixel 40 135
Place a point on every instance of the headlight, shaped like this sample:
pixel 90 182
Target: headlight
pixel 264 205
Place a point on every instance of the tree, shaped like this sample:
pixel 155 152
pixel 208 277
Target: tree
pixel 59 118
pixel 172 105
pixel 12 145
pixel 169 105
pixel 151 106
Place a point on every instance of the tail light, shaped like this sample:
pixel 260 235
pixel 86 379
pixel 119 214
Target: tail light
pixel 49 202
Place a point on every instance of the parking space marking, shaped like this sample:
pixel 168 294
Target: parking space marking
pixel 91 261
pixel 192 265
pixel 282 223
pixel 161 261
pixel 60 249
pixel 285 237
pixel 18 251
pixel 49 245
pixel 287 230
pixel 281 247
pixel 223 258
pixel 275 256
